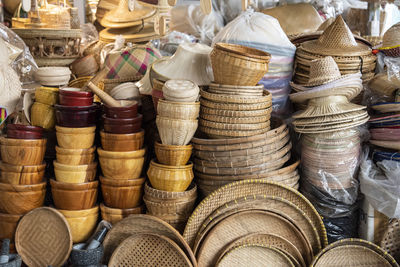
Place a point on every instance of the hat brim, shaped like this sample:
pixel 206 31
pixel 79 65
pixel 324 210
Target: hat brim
pixel 314 47
pixel 327 110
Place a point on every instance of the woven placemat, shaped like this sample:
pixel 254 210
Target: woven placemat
pixel 43 238
pixel 140 223
pixel 244 188
pixel 248 222
pixel 149 250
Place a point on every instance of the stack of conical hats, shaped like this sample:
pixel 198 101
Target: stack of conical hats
pixel 336 41
pixel 131 20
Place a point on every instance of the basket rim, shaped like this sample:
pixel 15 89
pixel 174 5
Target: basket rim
pixel 253 53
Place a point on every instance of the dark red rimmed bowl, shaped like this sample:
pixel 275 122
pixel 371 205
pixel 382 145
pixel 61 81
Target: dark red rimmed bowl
pixel 126 112
pixel 76 117
pixel 134 120
pixel 20 131
pixel 111 126
pixel 75 97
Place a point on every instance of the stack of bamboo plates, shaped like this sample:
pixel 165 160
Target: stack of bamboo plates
pixel 221 161
pixel 144 240
pixel 336 41
pixel 255 223
pixel 353 252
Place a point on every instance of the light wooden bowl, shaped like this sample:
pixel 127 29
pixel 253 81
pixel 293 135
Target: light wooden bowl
pixel 69 196
pixel 43 115
pixel 8 224
pixel 75 138
pixel 121 165
pixel 115 215
pixel 122 194
pixel 75 173
pixel 23 151
pixel 75 156
pixel 20 199
pixel 81 222
pixel 122 142
pixel 22 175
pixel 173 155
pixel 170 178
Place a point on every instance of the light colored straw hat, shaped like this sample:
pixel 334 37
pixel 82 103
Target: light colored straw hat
pixel 328 105
pixel 323 71
pixel 391 41
pixel 336 40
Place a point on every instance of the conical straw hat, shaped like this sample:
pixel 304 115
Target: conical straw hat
pixel 122 17
pixel 391 38
pixel 323 71
pixel 336 40
pixel 328 105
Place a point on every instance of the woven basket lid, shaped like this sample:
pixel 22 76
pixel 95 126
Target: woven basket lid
pixel 122 17
pixel 328 105
pixel 391 38
pixel 43 238
pixel 255 255
pixel 140 223
pixel 336 40
pixel 149 250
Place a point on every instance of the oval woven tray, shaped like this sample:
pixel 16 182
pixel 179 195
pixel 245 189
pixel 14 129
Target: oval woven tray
pixel 266 97
pixel 235 113
pixel 238 107
pixel 234 126
pixel 148 250
pixel 235 120
pixel 250 187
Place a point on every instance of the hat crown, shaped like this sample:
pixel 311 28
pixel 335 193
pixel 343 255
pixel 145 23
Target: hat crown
pixel 323 70
pixel 392 36
pixel 337 35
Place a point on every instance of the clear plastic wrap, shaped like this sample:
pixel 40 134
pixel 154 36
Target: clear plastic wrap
pixel 169 44
pixel 380 184
pixel 89 35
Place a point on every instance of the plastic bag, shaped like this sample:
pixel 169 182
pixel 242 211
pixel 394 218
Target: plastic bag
pixel 380 183
pixel 89 35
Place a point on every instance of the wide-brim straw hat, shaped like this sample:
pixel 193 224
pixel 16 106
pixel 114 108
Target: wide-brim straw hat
pixel 336 40
pixel 123 17
pixel 332 119
pixel 135 34
pixel 328 105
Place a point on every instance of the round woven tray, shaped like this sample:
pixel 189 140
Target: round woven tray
pixel 236 92
pixel 245 188
pixel 234 126
pixel 237 107
pixel 235 113
pixel 43 238
pixel 247 222
pixel 234 120
pixel 266 97
pixel 260 202
pixel 141 223
pixel 216 133
pixel 255 255
pixel 148 250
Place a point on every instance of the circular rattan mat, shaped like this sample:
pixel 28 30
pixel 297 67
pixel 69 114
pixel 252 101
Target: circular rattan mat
pixel 391 239
pixel 149 250
pixel 244 223
pixel 43 238
pixel 255 255
pixel 141 223
pixel 244 188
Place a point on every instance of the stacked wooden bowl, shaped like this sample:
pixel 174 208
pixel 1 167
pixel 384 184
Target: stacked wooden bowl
pixel 235 106
pixel 121 159
pixel 22 187
pixel 43 113
pixel 122 120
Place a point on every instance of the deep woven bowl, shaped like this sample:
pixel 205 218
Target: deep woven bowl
pixel 178 110
pixel 176 132
pixel 80 257
pixel 173 155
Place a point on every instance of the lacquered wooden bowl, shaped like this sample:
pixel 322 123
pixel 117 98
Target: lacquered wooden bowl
pixel 122 112
pixel 22 151
pixel 8 224
pixel 75 156
pixel 19 131
pixel 115 215
pixel 73 116
pixel 20 199
pixel 81 222
pixel 75 97
pixel 121 165
pixel 21 175
pixel 122 142
pixel 122 194
pixel 75 173
pixel 75 138
pixel 68 196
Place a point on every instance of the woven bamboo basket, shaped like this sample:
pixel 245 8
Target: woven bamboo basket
pixel 178 110
pixel 236 93
pixel 176 221
pixel 236 90
pixel 235 106
pixel 238 65
pixel 170 197
pixel 234 99
pixel 169 208
pixel 170 178
pixel 235 113
pixel 173 155
pixel 235 120
pixel 216 133
pixel 234 126
pixel 176 132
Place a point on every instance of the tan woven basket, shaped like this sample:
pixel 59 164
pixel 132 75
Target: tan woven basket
pixel 173 155
pixel 217 133
pixel 234 126
pixel 236 113
pixel 235 106
pixel 224 98
pixel 166 196
pixel 236 120
pixel 176 132
pixel 170 208
pixel 178 110
pixel 238 65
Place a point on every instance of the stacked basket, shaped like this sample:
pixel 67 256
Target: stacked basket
pixel 121 159
pixel 234 106
pixel 171 197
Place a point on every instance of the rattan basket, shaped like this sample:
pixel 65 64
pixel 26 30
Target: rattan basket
pixel 235 113
pixel 178 110
pixel 166 196
pixel 238 65
pixel 234 126
pixel 235 106
pixel 170 208
pixel 217 133
pixel 173 155
pixel 225 98
pixel 176 132
pixel 235 120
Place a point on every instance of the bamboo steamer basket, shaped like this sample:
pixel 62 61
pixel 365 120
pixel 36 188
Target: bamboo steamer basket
pixel 173 155
pixel 23 151
pixel 170 178
pixel 176 132
pixel 178 110
pixel 238 65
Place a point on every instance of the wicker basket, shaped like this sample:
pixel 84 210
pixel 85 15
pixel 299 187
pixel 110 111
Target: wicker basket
pixel 173 155
pixel 178 110
pixel 238 65
pixel 225 98
pixel 166 196
pixel 170 178
pixel 170 208
pixel 235 106
pixel 222 134
pixel 176 132
pixel 236 120
pixel 234 126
